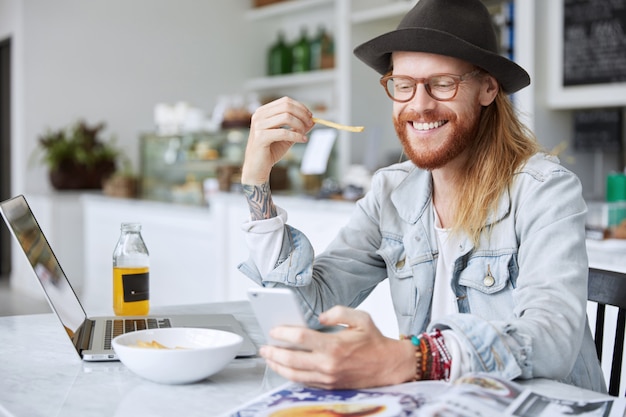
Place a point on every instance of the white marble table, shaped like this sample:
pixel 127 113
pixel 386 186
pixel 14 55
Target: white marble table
pixel 52 381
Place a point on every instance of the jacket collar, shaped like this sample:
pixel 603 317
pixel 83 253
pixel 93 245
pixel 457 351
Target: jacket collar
pixel 411 204
pixel 407 197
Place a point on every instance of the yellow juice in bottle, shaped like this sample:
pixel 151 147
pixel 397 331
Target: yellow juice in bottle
pixel 131 296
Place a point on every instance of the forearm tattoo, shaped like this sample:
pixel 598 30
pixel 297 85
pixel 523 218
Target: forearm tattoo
pixel 260 201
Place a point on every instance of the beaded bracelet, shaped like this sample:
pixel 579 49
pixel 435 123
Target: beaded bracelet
pixel 421 356
pixel 433 360
pixel 444 353
pixel 418 357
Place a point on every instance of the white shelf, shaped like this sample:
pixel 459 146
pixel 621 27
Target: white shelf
pixel 284 8
pixel 392 10
pixel 292 80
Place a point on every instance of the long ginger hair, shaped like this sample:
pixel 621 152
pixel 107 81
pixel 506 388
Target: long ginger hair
pixel 502 145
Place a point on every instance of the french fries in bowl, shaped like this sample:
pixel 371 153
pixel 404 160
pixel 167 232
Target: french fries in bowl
pixel 176 355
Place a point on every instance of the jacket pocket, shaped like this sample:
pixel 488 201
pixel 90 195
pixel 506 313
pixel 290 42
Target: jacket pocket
pixel 488 274
pixel 489 281
pixel 398 264
pixel 403 290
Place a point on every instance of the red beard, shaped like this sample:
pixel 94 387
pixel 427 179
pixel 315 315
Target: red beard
pixel 436 155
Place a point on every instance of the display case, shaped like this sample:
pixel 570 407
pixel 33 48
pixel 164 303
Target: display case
pixel 187 168
pixel 183 168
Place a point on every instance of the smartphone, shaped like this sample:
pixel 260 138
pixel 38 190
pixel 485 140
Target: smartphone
pixel 279 307
pixel 276 307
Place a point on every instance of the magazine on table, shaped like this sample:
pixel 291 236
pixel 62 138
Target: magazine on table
pixel 474 395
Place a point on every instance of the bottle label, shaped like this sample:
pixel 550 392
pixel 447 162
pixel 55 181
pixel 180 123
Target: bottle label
pixel 136 287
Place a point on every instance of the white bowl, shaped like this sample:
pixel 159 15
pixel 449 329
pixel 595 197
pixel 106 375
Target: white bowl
pixel 192 354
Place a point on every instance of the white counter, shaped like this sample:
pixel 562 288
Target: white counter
pixel 609 254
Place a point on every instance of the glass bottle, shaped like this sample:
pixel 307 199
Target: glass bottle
pixel 327 59
pixel 279 57
pixel 301 53
pixel 321 46
pixel 131 273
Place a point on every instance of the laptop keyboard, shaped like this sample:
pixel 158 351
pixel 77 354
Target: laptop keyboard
pixel 116 327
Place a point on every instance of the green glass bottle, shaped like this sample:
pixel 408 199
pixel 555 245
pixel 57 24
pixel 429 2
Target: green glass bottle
pixel 279 57
pixel 301 53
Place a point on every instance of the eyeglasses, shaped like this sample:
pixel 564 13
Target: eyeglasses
pixel 441 87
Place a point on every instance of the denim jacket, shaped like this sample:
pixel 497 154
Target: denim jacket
pixel 521 293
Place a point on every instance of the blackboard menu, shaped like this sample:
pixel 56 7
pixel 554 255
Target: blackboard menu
pixel 598 129
pixel 594 42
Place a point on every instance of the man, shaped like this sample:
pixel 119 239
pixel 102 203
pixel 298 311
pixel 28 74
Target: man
pixel 480 235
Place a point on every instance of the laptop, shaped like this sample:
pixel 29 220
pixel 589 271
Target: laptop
pixel 91 336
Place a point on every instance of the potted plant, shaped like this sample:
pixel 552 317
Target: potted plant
pixel 77 157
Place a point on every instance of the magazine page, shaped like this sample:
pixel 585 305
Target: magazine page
pixel 474 395
pixel 294 400
pixel 483 395
pixel 535 405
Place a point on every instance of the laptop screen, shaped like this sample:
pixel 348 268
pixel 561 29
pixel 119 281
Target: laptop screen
pixel 26 230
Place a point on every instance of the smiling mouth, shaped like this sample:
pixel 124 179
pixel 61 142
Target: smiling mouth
pixel 428 126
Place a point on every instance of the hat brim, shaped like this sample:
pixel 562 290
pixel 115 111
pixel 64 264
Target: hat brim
pixel 377 54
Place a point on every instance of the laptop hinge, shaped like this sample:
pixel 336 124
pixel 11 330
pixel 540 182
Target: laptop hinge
pixel 83 339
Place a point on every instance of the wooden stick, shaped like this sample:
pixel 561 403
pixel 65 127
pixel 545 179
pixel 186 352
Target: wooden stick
pixel 338 126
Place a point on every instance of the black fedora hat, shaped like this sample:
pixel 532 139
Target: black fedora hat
pixel 461 29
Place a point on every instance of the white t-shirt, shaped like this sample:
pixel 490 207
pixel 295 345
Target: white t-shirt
pixel 444 299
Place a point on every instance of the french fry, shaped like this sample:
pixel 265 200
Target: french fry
pixel 155 345
pixel 338 126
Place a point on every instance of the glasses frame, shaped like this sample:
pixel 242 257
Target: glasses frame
pixel 416 81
